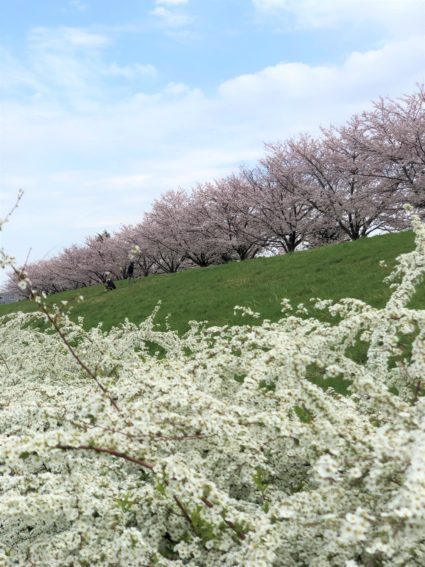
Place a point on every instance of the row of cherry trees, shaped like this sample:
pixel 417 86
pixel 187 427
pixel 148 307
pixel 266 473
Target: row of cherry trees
pixel 346 184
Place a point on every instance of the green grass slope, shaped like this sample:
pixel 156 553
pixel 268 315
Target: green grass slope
pixel 344 270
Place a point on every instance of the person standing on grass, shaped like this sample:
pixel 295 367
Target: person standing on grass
pixel 130 271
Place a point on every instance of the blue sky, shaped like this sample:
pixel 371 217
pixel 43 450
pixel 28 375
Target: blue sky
pixel 106 104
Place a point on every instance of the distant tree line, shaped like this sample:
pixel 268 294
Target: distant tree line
pixel 305 192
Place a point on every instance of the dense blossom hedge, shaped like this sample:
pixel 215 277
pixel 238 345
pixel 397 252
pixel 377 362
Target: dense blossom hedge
pixel 142 448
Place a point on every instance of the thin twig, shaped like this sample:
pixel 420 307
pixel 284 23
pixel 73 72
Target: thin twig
pixel 27 258
pixel 108 451
pixel 228 522
pixel 139 437
pixel 184 512
pixel 188 519
pixel 417 390
pixel 5 363
pixel 16 205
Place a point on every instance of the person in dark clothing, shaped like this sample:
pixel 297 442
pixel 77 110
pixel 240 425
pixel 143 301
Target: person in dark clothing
pixel 109 284
pixel 130 271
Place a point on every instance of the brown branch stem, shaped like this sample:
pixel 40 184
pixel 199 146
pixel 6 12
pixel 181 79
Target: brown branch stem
pixel 231 525
pixel 107 451
pixel 5 363
pixel 417 390
pixel 140 436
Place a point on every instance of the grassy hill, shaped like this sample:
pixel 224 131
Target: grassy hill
pixel 344 270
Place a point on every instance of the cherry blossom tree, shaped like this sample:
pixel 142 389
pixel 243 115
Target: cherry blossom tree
pixel 283 215
pixel 78 266
pixel 68 270
pixel 105 255
pixel 139 248
pixel 393 134
pixel 339 182
pixel 44 277
pixel 165 253
pixel 230 218
pixel 176 224
pixel 72 266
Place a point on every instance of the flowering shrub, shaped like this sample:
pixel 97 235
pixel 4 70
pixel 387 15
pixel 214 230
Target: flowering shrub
pixel 218 449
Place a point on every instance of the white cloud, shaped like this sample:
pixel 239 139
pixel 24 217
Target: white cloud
pixel 375 71
pixel 117 182
pixel 65 37
pixel 271 5
pixel 68 65
pixel 130 71
pixel 65 63
pixel 400 16
pixel 168 14
pixel 14 74
pixel 171 2
pixel 78 5
pixel 177 89
pixel 170 18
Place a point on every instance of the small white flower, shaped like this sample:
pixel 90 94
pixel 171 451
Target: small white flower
pixel 327 467
pixel 286 513
pixel 403 513
pixel 354 528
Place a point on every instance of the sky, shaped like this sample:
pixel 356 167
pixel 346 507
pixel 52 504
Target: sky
pixel 106 104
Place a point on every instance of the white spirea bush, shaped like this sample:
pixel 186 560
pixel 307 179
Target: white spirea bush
pixel 220 450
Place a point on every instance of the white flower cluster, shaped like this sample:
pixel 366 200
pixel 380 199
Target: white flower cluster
pixel 222 450
pixel 134 252
pixel 245 311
